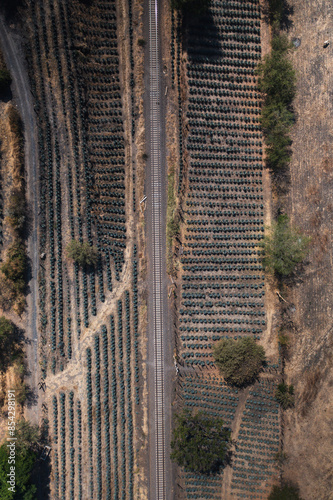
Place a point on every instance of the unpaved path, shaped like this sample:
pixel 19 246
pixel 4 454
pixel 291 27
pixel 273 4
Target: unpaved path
pixel 13 54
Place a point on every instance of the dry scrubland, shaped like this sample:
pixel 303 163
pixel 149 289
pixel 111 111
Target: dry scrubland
pixel 308 429
pixel 11 304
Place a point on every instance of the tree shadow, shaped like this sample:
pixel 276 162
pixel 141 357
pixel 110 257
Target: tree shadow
pixel 279 11
pixel 31 398
pixel 6 95
pixel 200 35
pixel 10 8
pixel 28 223
pixel 41 478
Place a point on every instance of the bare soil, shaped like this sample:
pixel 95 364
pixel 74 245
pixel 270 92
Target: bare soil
pixel 308 430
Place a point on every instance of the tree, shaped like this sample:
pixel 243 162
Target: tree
pixel 287 491
pixel 277 81
pixel 82 253
pixel 239 361
pixel 276 75
pixel 27 435
pixel 285 395
pixel 199 442
pixel 24 462
pixel 283 247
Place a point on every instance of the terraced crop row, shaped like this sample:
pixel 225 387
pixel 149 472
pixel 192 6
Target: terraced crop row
pixel 222 277
pixel 81 141
pixel 100 89
pixel 93 439
pixel 110 389
pixel 222 282
pixel 67 446
pixel 256 442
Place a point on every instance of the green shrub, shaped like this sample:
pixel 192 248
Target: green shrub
pixel 15 121
pixel 277 81
pixel 283 247
pixel 239 361
pixel 285 395
pixel 82 253
pixel 276 75
pixel 15 265
pixel 287 491
pixel 10 345
pixel 17 210
pixel 199 442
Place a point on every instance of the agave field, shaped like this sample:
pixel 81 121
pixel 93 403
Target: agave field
pixel 222 282
pixel 89 321
pixel 93 449
pixel 81 140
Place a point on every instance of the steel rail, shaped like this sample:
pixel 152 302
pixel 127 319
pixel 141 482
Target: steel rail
pixel 156 200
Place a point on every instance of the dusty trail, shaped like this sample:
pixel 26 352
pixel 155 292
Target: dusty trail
pixel 10 44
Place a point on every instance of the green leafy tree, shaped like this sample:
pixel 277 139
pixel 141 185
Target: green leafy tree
pixel 285 395
pixel 24 462
pixel 283 247
pixel 199 442
pixel 277 81
pixel 287 491
pixel 82 253
pixel 27 434
pixel 239 361
pixel 276 75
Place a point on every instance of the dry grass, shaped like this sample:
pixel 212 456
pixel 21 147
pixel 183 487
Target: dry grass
pixel 310 201
pixel 310 390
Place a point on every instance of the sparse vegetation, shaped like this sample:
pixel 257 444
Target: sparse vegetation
pixel 284 247
pixel 285 395
pixel 17 210
pixel 172 219
pixel 9 343
pixel 200 442
pixel 239 361
pixel 82 253
pixel 12 277
pixel 281 457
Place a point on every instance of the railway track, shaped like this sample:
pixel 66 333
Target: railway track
pixel 157 235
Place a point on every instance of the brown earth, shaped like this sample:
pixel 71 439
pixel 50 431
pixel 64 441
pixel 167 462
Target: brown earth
pixel 308 429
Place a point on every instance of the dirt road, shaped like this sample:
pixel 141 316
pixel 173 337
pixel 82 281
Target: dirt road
pixel 13 54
